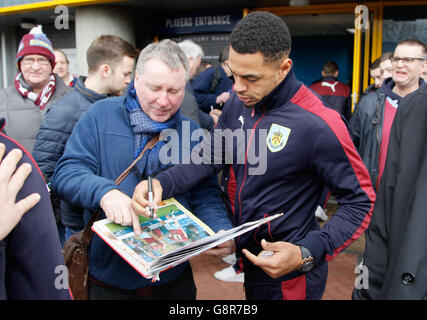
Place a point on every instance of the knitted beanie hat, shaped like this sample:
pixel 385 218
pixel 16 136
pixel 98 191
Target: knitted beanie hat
pixel 35 42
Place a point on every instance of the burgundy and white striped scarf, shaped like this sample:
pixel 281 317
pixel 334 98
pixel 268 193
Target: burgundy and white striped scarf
pixel 40 99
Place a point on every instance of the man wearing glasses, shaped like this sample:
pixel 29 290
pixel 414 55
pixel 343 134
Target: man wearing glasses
pixel 36 87
pixel 371 123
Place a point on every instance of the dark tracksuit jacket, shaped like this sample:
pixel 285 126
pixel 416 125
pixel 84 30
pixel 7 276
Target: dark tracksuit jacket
pixel 335 95
pixel 31 263
pixel 307 146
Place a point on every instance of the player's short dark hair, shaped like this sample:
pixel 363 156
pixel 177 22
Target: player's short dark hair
pixel 330 67
pixel 262 32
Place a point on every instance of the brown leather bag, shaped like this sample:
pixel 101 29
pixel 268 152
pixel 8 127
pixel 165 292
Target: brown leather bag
pixel 76 247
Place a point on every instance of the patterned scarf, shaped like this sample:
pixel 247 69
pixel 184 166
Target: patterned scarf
pixel 40 99
pixel 144 129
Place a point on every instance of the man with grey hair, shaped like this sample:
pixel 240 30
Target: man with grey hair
pixel 110 136
pixel 194 54
pixel 190 107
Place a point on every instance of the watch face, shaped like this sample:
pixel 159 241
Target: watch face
pixel 307 260
pixel 307 266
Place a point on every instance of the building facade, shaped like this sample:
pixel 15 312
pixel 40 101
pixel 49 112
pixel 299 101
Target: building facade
pixel 350 33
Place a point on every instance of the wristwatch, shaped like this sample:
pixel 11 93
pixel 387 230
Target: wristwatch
pixel 307 262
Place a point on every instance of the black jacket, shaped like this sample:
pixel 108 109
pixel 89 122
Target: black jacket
pixel 366 126
pixel 396 239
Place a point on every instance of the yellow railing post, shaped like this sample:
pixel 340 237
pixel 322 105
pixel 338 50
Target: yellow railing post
pixel 380 19
pixel 366 57
pixel 356 67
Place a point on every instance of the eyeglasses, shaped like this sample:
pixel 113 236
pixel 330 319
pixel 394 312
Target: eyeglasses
pixel 30 61
pixel 405 60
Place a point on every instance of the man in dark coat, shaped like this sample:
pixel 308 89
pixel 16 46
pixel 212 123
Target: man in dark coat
pixel 396 239
pixel 31 262
pixel 371 121
pixel 190 107
pixel 212 86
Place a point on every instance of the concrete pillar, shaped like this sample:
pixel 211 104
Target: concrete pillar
pixel 8 47
pixel 93 21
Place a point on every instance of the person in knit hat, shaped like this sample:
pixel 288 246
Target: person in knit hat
pixel 35 42
pixel 35 88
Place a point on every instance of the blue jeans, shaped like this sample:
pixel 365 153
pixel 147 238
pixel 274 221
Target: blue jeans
pixel 69 231
pixel 61 233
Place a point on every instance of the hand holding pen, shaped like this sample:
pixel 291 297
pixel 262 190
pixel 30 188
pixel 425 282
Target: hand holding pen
pixel 146 197
pixel 222 98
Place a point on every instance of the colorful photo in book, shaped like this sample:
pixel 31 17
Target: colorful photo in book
pixel 171 230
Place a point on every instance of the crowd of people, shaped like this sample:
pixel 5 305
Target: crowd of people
pixel 65 140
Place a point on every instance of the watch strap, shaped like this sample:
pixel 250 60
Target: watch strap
pixel 307 257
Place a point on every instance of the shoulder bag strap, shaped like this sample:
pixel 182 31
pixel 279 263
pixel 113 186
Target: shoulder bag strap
pixel 87 232
pixel 149 145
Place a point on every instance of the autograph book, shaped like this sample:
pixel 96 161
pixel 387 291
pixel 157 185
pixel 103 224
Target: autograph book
pixel 175 236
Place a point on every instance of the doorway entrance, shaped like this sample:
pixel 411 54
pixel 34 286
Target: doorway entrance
pixel 318 38
pixel 399 19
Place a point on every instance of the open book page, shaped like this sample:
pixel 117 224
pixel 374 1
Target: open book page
pixel 175 257
pixel 172 238
pixel 174 228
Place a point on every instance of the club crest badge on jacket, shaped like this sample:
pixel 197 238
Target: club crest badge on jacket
pixel 277 137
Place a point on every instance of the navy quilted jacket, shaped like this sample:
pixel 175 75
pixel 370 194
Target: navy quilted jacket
pixel 54 131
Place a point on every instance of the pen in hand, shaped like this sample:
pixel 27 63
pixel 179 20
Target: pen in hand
pixel 150 197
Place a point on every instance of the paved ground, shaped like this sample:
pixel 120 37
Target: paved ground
pixel 339 286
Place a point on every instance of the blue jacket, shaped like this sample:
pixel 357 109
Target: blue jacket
pixel 53 135
pixel 31 261
pixel 307 145
pixel 97 152
pixel 202 87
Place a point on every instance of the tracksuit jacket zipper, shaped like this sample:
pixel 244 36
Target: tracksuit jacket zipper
pixel 246 169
